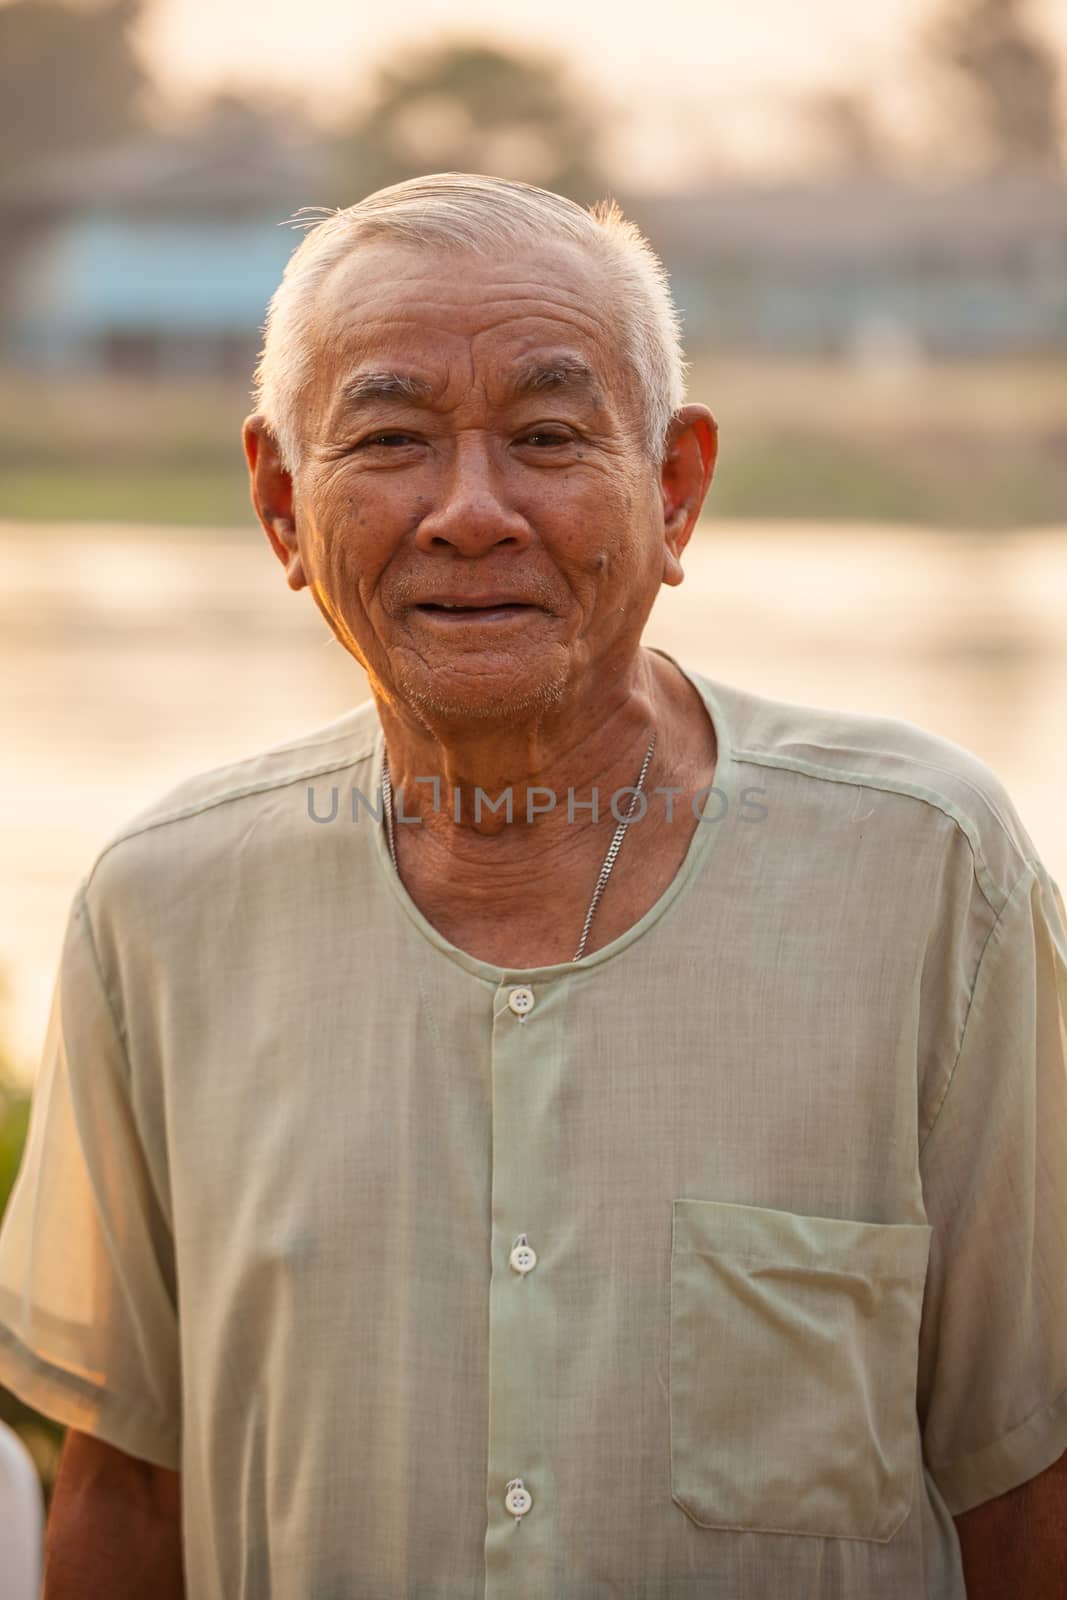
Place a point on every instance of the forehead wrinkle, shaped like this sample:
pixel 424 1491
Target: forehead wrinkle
pixel 466 285
pixel 541 316
pixel 590 321
pixel 492 305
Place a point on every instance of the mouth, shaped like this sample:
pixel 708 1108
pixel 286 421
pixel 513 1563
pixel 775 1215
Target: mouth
pixel 480 611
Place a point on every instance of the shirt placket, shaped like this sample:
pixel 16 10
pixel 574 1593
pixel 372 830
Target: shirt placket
pixel 522 1540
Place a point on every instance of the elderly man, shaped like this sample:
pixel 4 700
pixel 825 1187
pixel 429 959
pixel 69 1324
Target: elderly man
pixel 570 1126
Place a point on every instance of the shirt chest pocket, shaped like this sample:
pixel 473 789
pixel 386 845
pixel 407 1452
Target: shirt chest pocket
pixel 793 1365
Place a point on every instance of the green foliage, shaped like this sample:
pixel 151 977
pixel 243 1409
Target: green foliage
pixel 14 1122
pixel 470 107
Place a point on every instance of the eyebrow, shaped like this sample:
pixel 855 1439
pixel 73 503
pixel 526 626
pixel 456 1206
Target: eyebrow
pixel 563 372
pixel 366 387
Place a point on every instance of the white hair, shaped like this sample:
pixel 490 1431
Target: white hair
pixel 483 214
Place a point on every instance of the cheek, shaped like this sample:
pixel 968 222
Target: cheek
pixel 595 514
pixel 628 553
pixel 357 528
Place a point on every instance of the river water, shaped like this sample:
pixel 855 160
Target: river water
pixel 132 657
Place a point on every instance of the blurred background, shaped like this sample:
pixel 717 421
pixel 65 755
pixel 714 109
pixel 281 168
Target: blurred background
pixel 864 214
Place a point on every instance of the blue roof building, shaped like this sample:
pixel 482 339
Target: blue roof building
pixel 157 255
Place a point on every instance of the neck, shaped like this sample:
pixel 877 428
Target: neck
pixel 516 895
pixel 545 773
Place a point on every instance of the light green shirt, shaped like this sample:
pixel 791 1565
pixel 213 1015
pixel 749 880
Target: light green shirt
pixel 727 1263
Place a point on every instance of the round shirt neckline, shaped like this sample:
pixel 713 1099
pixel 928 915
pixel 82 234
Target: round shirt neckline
pixel 703 841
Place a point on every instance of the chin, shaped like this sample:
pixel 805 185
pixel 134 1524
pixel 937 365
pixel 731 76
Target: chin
pixel 440 697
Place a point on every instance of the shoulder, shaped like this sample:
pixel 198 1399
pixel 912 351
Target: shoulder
pixel 914 781
pixel 200 826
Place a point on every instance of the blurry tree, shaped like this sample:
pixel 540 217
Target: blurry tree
pixel 1013 76
pixel 232 117
pixel 68 78
pixel 470 107
pixel 845 130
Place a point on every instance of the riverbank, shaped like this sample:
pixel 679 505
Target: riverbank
pixel 974 445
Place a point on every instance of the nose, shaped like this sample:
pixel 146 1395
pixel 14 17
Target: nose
pixel 472 512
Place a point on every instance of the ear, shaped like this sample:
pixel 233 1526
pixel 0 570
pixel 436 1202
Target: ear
pixel 271 488
pixel 685 477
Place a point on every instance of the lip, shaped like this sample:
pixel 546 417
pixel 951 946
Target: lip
pixel 476 602
pixel 467 614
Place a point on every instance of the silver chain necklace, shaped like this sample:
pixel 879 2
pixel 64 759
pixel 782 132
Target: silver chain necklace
pixel 609 859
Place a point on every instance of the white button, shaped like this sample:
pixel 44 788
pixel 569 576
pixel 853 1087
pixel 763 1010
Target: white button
pixel 522 1257
pixel 518 1499
pixel 521 1001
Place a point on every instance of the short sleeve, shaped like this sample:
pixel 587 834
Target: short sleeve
pixel 992 1391
pixel 88 1312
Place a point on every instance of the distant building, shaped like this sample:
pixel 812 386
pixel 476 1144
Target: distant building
pixel 159 255
pixel 954 268
pixel 153 256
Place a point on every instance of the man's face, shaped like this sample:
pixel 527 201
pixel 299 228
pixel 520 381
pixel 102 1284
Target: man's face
pixel 475 514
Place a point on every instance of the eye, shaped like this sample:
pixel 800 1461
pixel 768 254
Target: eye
pixel 546 438
pixel 389 440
